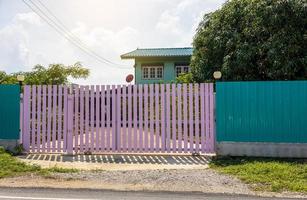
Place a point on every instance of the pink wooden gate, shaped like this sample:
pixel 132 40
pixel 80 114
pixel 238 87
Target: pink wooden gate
pixel 156 118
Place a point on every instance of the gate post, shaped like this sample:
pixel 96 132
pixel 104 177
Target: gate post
pixel 70 115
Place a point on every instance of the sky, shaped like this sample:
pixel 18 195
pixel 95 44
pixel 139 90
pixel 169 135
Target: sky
pixel 104 28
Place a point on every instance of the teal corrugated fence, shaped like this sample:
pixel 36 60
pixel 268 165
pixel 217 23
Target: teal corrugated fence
pixel 9 111
pixel 268 111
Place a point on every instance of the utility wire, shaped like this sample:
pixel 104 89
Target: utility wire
pixel 75 41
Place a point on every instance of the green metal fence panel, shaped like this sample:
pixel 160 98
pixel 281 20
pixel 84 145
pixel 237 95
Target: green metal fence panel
pixel 9 111
pixel 269 111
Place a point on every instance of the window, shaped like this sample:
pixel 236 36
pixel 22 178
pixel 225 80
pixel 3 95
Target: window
pixel 152 72
pixel 182 69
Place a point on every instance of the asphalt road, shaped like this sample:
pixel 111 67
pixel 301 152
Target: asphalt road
pixel 65 194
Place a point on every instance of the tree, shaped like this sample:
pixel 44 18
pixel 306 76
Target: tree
pixel 185 78
pixel 55 74
pixel 252 40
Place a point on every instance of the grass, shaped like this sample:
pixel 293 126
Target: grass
pixel 266 174
pixel 11 166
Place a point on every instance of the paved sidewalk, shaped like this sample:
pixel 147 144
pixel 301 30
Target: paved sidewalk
pixel 118 162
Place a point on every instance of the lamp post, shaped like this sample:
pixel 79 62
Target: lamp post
pixel 20 79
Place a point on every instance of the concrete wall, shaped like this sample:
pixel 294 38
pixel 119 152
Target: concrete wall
pixel 169 73
pixel 9 144
pixel 263 149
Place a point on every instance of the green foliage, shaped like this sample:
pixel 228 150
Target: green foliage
pixel 55 74
pixel 253 40
pixel 266 173
pixel 185 78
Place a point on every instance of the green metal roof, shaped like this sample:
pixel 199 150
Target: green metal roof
pixel 158 52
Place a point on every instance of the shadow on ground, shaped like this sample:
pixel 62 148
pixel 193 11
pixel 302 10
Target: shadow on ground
pixel 123 159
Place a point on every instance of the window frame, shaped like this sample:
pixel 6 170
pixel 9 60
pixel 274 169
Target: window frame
pixel 149 67
pixel 182 68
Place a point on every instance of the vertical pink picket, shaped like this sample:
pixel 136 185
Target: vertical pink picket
pixel 26 119
pixel 49 116
pixel 34 119
pixel 114 135
pixel 157 116
pixel 129 118
pixel 118 118
pixel 38 123
pixel 212 138
pixel 44 124
pixel 168 121
pixel 97 114
pixel 54 117
pixel 174 129
pixel 87 121
pixel 146 118
pixel 92 121
pixel 163 144
pixel 81 149
pixel 196 114
pixel 191 119
pixel 124 108
pixel 21 114
pixel 103 119
pixel 179 113
pixel 108 110
pixel 69 131
pixel 207 118
pixel 185 117
pixel 135 118
pixel 59 133
pixel 152 116
pixel 202 117
pixel 76 116
pixel 67 114
pixel 141 119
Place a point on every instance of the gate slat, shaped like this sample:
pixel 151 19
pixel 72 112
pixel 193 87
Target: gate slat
pixel 202 116
pixel 124 141
pixel 185 118
pixel 141 118
pixel 211 142
pixel 118 120
pixel 196 113
pixel 65 127
pixel 81 119
pixel 54 118
pixel 59 133
pixel 168 123
pixel 39 96
pixel 179 102
pixel 108 133
pixel 152 116
pixel 135 121
pixel 163 144
pixel 49 117
pixel 92 102
pixel 157 115
pixel 33 117
pixel 97 114
pixel 103 119
pixel 129 118
pixel 207 117
pixel 77 115
pixel 146 117
pixel 114 118
pixel 27 115
pixel 191 131
pixel 44 124
pixel 174 133
pixel 87 118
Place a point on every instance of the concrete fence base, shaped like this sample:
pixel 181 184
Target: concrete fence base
pixel 9 144
pixel 285 150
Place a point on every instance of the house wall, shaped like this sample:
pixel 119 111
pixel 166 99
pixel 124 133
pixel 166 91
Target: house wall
pixel 169 73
